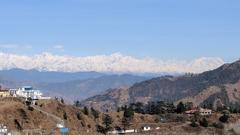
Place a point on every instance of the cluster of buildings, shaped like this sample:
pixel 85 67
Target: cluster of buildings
pixel 146 128
pixel 24 92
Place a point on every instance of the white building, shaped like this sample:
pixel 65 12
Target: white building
pixel 28 92
pixel 4 130
pixel 123 131
pixel 205 112
pixel 146 128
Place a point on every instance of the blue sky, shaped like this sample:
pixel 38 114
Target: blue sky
pixel 164 29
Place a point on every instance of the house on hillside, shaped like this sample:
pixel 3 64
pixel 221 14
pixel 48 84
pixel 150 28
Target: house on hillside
pixel 202 111
pixel 28 92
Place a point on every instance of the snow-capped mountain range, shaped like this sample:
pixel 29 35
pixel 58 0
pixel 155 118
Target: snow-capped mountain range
pixel 115 63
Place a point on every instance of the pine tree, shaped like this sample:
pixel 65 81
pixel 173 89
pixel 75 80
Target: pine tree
pixel 65 116
pixel 79 116
pixel 95 113
pixel 128 113
pixel 107 121
pixel 125 122
pixel 180 108
pixel 85 110
pixel 127 117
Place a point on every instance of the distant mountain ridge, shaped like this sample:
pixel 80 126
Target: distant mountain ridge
pixel 47 76
pixel 211 87
pixel 71 86
pixel 82 89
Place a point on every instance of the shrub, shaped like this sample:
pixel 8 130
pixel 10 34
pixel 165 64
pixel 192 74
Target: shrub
pixel 156 120
pixel 180 108
pixel 23 114
pixel 218 125
pixel 175 118
pixel 85 111
pixel 28 103
pixel 197 116
pixel 79 116
pixel 142 117
pixel 118 109
pixel 224 118
pixel 30 108
pixel 100 129
pixel 65 116
pixel 83 124
pixel 203 122
pixel 193 123
pixel 89 126
pixel 95 113
pixel 18 125
pixel 181 118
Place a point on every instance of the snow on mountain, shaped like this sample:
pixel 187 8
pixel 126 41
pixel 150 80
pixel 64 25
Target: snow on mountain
pixel 116 62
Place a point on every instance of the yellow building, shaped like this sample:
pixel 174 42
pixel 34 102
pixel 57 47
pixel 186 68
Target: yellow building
pixel 4 93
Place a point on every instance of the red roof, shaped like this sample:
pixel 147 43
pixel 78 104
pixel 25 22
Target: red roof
pixel 190 111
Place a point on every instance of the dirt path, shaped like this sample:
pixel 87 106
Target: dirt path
pixel 56 118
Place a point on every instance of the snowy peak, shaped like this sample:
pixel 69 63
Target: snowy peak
pixel 115 62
